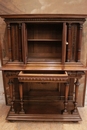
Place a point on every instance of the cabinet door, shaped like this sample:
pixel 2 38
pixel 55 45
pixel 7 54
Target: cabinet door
pixel 24 43
pixel 64 32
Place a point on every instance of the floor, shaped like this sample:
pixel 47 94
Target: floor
pixel 26 125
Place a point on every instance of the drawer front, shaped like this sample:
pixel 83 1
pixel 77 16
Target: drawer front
pixel 58 76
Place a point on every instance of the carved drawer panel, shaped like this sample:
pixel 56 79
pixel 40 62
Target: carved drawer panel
pixel 43 76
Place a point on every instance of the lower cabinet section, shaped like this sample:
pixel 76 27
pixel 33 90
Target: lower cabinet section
pixel 43 111
pixel 42 95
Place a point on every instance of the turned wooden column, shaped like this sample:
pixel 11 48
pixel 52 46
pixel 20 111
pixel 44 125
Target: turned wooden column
pixel 9 41
pixel 66 98
pixel 11 95
pixel 79 42
pixel 21 97
pixel 76 96
pixel 69 43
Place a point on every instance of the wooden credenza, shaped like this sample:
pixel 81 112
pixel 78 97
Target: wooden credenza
pixel 42 66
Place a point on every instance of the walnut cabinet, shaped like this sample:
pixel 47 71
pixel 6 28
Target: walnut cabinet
pixel 41 66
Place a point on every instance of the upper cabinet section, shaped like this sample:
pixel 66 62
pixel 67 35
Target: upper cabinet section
pixel 43 38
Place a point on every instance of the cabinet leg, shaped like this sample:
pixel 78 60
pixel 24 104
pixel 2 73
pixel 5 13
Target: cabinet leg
pixel 21 98
pixel 66 99
pixel 74 111
pixel 11 95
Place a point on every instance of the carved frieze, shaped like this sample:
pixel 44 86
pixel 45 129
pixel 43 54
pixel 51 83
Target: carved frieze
pixel 42 79
pixel 75 74
pixel 12 75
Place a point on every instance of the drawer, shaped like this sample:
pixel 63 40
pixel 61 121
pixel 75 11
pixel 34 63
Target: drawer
pixel 43 76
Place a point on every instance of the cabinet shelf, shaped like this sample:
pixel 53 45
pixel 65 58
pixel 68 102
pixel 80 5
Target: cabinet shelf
pixel 45 40
pixel 45 60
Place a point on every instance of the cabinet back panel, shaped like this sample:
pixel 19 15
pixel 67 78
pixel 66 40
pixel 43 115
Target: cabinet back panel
pixel 44 49
pixel 44 31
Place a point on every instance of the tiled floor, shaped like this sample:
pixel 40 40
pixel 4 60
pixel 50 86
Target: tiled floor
pixel 26 125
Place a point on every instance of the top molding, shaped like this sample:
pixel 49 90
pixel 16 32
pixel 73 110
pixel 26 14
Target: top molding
pixel 44 16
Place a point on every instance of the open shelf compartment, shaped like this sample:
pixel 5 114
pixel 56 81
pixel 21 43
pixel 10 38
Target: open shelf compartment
pixel 44 45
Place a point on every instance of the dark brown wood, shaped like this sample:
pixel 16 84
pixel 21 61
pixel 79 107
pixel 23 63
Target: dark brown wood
pixel 66 98
pixel 20 41
pixel 24 16
pixel 71 88
pixel 76 96
pixel 45 111
pixel 24 43
pixel 40 68
pixel 13 43
pixel 9 41
pixel 74 41
pixel 16 43
pixel 85 80
pixel 64 43
pixel 69 43
pixel 21 97
pixel 11 95
pixel 79 43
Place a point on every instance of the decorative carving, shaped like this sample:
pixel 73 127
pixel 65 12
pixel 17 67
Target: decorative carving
pixel 25 36
pixel 75 74
pixel 66 98
pixel 79 42
pixel 11 95
pixel 20 25
pixel 81 26
pixel 45 19
pixel 74 42
pixel 9 41
pixel 74 111
pixel 12 74
pixel 21 98
pixel 46 79
pixel 8 26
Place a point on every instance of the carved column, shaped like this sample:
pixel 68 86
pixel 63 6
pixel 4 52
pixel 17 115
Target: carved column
pixel 9 41
pixel 76 96
pixel 11 95
pixel 21 97
pixel 79 42
pixel 69 43
pixel 66 98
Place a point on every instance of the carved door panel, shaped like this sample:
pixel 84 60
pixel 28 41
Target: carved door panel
pixel 14 49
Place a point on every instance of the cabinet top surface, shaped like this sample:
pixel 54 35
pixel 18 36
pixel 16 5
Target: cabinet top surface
pixel 44 16
pixel 66 67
